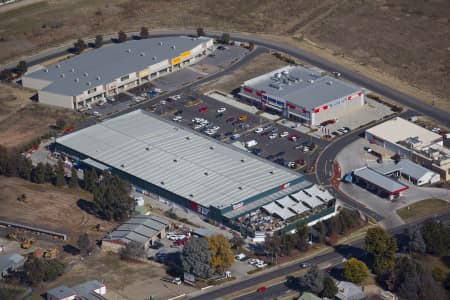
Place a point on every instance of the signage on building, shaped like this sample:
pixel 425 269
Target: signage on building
pixel 189 278
pixel 237 206
pixel 284 186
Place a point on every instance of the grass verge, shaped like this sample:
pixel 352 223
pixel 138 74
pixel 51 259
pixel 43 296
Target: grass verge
pixel 422 209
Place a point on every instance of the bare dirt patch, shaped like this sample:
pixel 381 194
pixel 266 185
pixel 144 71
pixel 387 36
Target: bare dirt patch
pixel 21 120
pixel 263 63
pixel 49 207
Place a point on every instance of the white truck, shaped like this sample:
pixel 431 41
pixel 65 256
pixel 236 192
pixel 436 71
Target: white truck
pixel 251 143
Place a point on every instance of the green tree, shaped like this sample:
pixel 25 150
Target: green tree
pixel 196 258
pixel 90 180
pixel 121 37
pixel 79 46
pixel 133 250
pixel 22 67
pixel 225 38
pixel 112 199
pixel 200 32
pixel 49 173
pixel 288 243
pixel 313 281
pixel 303 234
pixel 237 241
pixel 416 242
pixel 221 254
pixel 144 33
pixel 321 232
pixel 74 179
pixel 272 244
pixel 329 288
pixel 60 180
pixel 36 270
pixel 38 173
pixel 60 123
pixel 98 41
pixel 437 237
pixel 355 270
pixel 382 247
pixel 24 166
pixel 84 244
pixel 6 75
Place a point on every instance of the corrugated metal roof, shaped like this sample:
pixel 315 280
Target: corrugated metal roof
pixel 139 229
pixel 178 159
pixel 109 63
pixel 310 88
pixel 9 260
pixel 62 292
pixel 412 169
pixel 286 201
pixel 273 209
pixel 379 180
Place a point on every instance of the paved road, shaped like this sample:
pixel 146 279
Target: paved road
pixel 355 250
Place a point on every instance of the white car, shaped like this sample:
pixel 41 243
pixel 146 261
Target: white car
pixel 221 110
pixel 436 130
pixel 198 126
pixel 96 113
pixel 291 164
pixel 273 136
pixel 163 102
pixel 215 128
pixel 259 130
pixel 177 118
pixel 284 134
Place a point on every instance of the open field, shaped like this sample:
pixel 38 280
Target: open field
pixel 50 207
pixel 422 209
pixel 21 120
pixel 397 40
pixel 261 64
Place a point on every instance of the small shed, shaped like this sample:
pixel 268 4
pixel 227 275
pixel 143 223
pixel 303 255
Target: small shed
pixel 10 262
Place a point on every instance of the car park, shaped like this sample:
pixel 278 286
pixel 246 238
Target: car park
pixel 284 134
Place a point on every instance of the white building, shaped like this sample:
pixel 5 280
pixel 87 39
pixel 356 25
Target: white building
pixel 93 289
pixel 303 94
pixel 89 77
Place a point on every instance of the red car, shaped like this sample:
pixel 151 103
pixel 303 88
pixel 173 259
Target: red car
pixel 293 137
pixel 203 109
pixel 331 121
pixel 262 289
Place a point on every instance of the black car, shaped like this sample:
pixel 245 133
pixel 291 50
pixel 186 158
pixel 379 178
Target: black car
pixel 256 151
pixel 279 161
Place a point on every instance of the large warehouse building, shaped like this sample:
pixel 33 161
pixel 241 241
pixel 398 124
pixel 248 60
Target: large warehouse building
pixel 183 166
pixel 303 94
pixel 413 142
pixel 85 79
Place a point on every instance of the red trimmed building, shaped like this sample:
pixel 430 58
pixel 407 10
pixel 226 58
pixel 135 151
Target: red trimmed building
pixel 303 94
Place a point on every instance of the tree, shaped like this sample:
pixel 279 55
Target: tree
pixel 302 232
pixel 437 237
pixel 416 242
pixel 112 199
pixel 90 180
pixel 273 246
pixel 313 280
pixel 121 37
pixel 84 244
pixel 38 173
pixel 237 241
pixel 200 32
pixel 60 123
pixel 21 67
pixel 49 173
pixel 288 243
pixel 24 166
pixel 74 179
pixel 6 74
pixel 79 46
pixel 329 288
pixel 221 254
pixel 144 33
pixel 133 250
pixel 225 38
pixel 355 270
pixel 36 270
pixel 98 41
pixel 196 258
pixel 382 247
pixel 60 180
pixel 321 232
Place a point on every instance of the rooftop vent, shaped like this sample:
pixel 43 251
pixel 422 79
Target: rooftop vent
pixel 212 147
pixel 58 66
pixel 162 182
pixel 154 57
pixel 330 82
pixel 85 74
pixel 240 187
pixel 147 148
pixel 172 47
pixel 206 173
pixel 142 54
pixel 285 72
pixel 271 172
pixel 188 138
pixel 72 70
pixel 160 43
pixel 128 50
pixel 88 83
pixel 242 160
pixel 175 160
pixel 99 77
pixel 46 70
pixel 310 81
pixel 123 165
pixel 63 75
pixel 191 195
pixel 77 79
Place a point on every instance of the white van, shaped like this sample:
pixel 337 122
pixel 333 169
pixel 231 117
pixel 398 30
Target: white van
pixel 251 143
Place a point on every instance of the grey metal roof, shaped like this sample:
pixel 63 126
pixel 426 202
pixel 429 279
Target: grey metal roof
pixel 108 63
pixel 178 159
pixel 95 164
pixel 138 229
pixel 307 88
pixel 87 289
pixel 62 292
pixel 387 168
pixel 379 180
pixel 412 169
pixel 9 260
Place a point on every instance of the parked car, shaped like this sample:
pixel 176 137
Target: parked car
pixel 261 289
pixel 273 136
pixel 284 134
pixel 177 118
pixel 230 119
pixel 293 137
pixel 259 130
pixel 305 265
pixel 243 118
pixel 203 109
pixel 221 110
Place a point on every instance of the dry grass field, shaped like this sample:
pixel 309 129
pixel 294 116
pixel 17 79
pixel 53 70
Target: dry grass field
pixel 50 207
pixel 21 120
pixel 404 42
